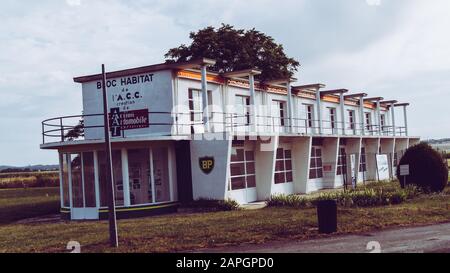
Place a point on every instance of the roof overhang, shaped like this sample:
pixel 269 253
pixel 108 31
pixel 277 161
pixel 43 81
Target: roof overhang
pixel 401 104
pixel 354 96
pixel 242 73
pixel 334 92
pixel 316 87
pixel 282 81
pixel 148 69
pixel 389 102
pixel 374 99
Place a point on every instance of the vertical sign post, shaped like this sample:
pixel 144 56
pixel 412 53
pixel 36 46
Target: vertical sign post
pixel 109 174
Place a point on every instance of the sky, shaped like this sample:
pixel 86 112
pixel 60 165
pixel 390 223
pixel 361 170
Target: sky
pixel 397 49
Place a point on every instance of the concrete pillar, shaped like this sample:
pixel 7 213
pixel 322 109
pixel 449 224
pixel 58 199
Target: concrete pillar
pixel 372 149
pixel 393 118
pixel 253 112
pixel 353 146
pixel 388 147
pixel 290 106
pixel 125 178
pixel 301 157
pixel 379 117
pixel 342 104
pixel 406 120
pixel 319 110
pixel 205 99
pixel 361 115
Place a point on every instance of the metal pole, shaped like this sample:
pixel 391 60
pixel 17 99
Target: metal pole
pixel 109 173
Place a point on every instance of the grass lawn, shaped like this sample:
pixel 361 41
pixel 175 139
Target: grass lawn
pixel 190 231
pixel 17 204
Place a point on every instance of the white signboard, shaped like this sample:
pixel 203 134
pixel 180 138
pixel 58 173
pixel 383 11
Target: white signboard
pixel 404 170
pixel 383 167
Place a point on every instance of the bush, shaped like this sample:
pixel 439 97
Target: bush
pixel 204 204
pixel 427 168
pixel 295 201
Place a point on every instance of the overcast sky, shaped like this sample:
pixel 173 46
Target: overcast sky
pixel 398 49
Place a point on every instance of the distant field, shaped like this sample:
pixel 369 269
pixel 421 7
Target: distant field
pixel 17 204
pixel 29 180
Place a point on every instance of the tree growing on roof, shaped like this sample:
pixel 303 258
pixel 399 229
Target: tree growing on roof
pixel 237 49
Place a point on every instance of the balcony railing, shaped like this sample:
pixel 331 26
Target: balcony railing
pixel 90 127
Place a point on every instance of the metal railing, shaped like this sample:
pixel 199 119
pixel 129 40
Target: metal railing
pixel 78 127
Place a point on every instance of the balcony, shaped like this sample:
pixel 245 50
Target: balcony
pixel 90 127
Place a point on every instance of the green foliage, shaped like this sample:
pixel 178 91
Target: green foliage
pixel 237 49
pixel 378 194
pixel 427 168
pixel 204 204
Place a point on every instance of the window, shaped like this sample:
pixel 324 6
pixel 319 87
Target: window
pixel 278 113
pixel 118 179
pixel 309 115
pixel 351 119
pixel 242 169
pixel 332 119
pixel 315 169
pixel 342 162
pixel 89 179
pixel 77 183
pixel 383 122
pixel 65 161
pixel 242 105
pixel 140 176
pixel 283 166
pixel 161 174
pixel 395 159
pixel 368 121
pixel 196 106
pixel 363 163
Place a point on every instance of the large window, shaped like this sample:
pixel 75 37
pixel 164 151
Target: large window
pixel 242 106
pixel 278 113
pixel 140 176
pixel 118 179
pixel 242 169
pixel 368 121
pixel 309 115
pixel 333 124
pixel 196 106
pixel 315 170
pixel 383 122
pixel 89 179
pixel 161 174
pixel 363 163
pixel 342 162
pixel 77 182
pixel 283 166
pixel 65 161
pixel 351 120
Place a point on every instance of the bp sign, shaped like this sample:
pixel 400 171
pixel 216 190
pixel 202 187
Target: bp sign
pixel 206 164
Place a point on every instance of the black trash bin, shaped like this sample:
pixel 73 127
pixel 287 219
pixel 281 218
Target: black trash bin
pixel 327 216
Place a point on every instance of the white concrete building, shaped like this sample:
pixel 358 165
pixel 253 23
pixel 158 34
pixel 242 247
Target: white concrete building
pixel 251 142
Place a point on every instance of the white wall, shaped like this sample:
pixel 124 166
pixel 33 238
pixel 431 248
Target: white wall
pixel 213 185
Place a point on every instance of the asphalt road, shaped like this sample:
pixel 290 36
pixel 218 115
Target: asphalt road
pixel 426 239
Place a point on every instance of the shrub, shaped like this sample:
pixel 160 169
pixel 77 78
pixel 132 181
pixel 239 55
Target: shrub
pixel 427 168
pixel 295 201
pixel 205 204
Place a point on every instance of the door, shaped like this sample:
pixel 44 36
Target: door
pixel 278 115
pixel 82 177
pixel 242 187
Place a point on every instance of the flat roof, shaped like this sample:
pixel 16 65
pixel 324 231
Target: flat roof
pixel 146 69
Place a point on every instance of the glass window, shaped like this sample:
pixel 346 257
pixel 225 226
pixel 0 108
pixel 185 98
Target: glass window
pixel 315 170
pixel 161 174
pixel 242 169
pixel 140 176
pixel 342 162
pixel 283 166
pixel 118 180
pixel 77 183
pixel 363 163
pixel 242 106
pixel 65 158
pixel 309 115
pixel 89 179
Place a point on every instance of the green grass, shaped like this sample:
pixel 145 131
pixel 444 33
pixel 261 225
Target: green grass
pixel 17 204
pixel 190 231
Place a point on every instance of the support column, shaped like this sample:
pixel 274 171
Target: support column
pixel 319 110
pixel 253 113
pixel 361 115
pixel 342 103
pixel 205 99
pixel 289 105
pixel 97 180
pixel 379 117
pixel 406 120
pixel 393 118
pixel 125 178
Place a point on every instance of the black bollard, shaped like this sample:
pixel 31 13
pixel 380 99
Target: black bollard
pixel 327 216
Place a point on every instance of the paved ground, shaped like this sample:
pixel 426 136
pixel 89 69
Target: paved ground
pixel 407 240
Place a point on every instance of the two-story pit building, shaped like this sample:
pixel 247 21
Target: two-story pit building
pixel 252 141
